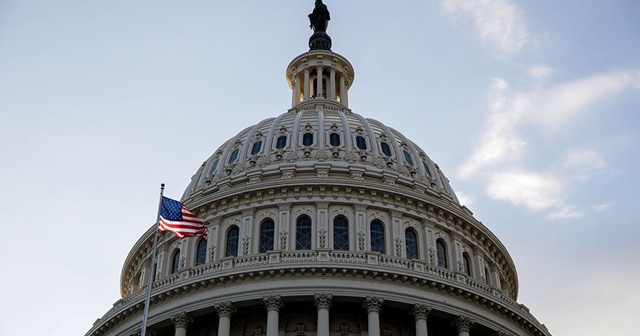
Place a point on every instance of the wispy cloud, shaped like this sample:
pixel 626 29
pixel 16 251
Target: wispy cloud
pixel 541 72
pixel 498 158
pixel 601 207
pixel 499 23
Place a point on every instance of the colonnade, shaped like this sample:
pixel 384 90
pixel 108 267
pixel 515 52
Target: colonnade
pixel 373 306
pixel 337 82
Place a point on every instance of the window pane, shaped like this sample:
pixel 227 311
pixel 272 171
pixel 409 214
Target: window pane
pixel 255 149
pixel 361 143
pixel 267 235
pixel 377 237
pixel 341 234
pixel 385 148
pixel 232 242
pixel 175 262
pixel 201 252
pixel 281 142
pixel 441 252
pixel 411 242
pixel 426 168
pixel 303 233
pixel 408 158
pixel 234 155
pixel 466 263
pixel 334 139
pixel 214 167
pixel 307 139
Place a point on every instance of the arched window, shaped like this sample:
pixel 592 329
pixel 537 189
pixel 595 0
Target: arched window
pixel 408 158
pixel 201 252
pixel 377 236
pixel 466 263
pixel 386 150
pixel 361 143
pixel 267 231
pixel 281 142
pixel 214 167
pixel 411 243
pixel 255 149
pixel 426 168
pixel 234 155
pixel 334 139
pixel 341 234
pixel 232 241
pixel 441 253
pixel 487 276
pixel 175 261
pixel 307 139
pixel 303 233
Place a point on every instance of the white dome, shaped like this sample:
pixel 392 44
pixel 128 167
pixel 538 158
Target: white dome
pixel 323 141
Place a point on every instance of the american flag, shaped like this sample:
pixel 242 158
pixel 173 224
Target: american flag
pixel 176 218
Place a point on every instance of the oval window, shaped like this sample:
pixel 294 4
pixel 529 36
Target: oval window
pixel 334 139
pixel 307 139
pixel 234 155
pixel 385 148
pixel 361 143
pixel 408 158
pixel 255 149
pixel 281 142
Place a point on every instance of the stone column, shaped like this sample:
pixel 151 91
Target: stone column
pixel 181 322
pixel 307 84
pixel 463 325
pixel 318 81
pixel 225 311
pixel 343 91
pixel 373 305
pixel 273 305
pixel 420 313
pixel 332 84
pixel 295 98
pixel 323 303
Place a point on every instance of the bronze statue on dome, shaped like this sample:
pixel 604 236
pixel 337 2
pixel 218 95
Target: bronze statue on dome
pixel 319 18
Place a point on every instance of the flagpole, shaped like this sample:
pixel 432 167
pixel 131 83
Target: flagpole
pixel 147 299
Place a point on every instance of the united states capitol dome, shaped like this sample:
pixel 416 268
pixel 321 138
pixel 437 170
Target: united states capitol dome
pixel 322 222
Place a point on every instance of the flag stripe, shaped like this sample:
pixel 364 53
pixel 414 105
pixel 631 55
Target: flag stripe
pixel 176 218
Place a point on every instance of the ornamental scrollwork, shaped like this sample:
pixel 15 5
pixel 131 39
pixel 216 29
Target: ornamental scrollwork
pixel 463 323
pixel 420 311
pixel 273 302
pixel 373 304
pixel 323 301
pixel 181 320
pixel 225 309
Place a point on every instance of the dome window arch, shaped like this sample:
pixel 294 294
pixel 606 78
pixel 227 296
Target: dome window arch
pixel 214 167
pixel 303 233
pixel 386 149
pixel 411 243
pixel 201 252
pixel 281 142
pixel 307 139
pixel 407 158
pixel 466 263
pixel 361 142
pixel 334 139
pixel 234 155
pixel 175 261
pixel 256 147
pixel 267 234
pixel 377 236
pixel 341 234
pixel 441 253
pixel 233 236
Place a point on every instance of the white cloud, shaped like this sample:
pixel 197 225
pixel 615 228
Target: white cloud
pixel 498 158
pixel 601 207
pixel 541 72
pixel 532 190
pixel 498 23
pixel 560 104
pixel 464 198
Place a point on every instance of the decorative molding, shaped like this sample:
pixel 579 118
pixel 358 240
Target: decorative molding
pixel 373 304
pixel 323 301
pixel 273 302
pixel 463 323
pixel 181 320
pixel 225 309
pixel 420 312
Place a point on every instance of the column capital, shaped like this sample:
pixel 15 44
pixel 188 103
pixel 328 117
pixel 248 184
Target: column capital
pixel 225 309
pixel 420 312
pixel 373 304
pixel 181 320
pixel 463 323
pixel 323 301
pixel 273 302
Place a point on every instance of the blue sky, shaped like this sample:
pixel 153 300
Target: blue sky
pixel 529 107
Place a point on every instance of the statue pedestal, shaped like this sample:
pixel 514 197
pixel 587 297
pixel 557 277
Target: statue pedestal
pixel 320 41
